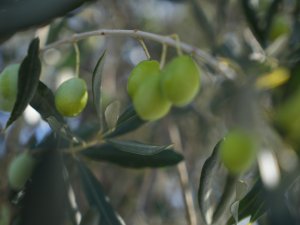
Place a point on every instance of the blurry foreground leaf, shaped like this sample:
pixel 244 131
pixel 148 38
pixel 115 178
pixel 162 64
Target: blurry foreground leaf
pixel 28 80
pixel 96 197
pixel 45 200
pixel 133 154
pixel 273 79
pixel 20 15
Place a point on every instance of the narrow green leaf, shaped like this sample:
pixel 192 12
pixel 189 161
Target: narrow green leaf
pixel 241 190
pixel 205 179
pixel 43 102
pixel 127 122
pixel 96 197
pixel 226 197
pixel 253 204
pixel 135 147
pixel 129 155
pixel 28 79
pixel 96 86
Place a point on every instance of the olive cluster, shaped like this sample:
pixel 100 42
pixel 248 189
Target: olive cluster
pixel 153 91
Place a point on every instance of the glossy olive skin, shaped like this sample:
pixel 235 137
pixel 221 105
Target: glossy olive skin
pixel 180 80
pixel 71 97
pixel 149 102
pixel 139 73
pixel 238 151
pixel 8 87
pixel 20 170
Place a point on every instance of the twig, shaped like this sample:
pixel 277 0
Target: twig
pixel 77 59
pixel 184 178
pixel 138 34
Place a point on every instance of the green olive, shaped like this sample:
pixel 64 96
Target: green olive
pixel 280 25
pixel 238 151
pixel 180 80
pixel 8 87
pixel 20 170
pixel 141 72
pixel 71 97
pixel 149 102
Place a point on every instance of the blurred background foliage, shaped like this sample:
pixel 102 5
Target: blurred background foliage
pixel 237 32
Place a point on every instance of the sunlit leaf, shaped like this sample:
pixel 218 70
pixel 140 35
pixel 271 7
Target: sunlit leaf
pixel 28 80
pixel 133 154
pixel 253 204
pixel 97 199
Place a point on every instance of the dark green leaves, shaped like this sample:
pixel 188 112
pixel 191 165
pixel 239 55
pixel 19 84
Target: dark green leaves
pixel 128 121
pixel 96 86
pixel 97 199
pixel 28 79
pixel 43 102
pixel 133 154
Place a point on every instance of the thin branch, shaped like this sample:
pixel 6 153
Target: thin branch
pixel 184 178
pixel 138 34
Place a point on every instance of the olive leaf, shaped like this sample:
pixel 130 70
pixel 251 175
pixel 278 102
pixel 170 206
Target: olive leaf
pixel 96 87
pixel 252 204
pixel 133 154
pixel 127 122
pixel 96 197
pixel 28 80
pixel 206 191
pixel 43 102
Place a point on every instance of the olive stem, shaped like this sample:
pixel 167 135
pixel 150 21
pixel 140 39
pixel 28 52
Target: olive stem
pixel 77 52
pixel 138 34
pixel 163 55
pixel 144 48
pixel 178 47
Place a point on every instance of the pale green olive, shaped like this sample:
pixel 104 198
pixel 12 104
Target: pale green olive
pixel 20 170
pixel 141 72
pixel 71 97
pixel 238 151
pixel 8 87
pixel 181 80
pixel 149 102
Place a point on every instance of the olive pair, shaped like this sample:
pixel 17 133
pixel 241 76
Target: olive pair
pixel 154 91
